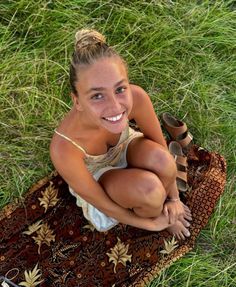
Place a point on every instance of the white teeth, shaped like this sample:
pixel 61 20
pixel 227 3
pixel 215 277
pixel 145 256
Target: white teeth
pixel 114 119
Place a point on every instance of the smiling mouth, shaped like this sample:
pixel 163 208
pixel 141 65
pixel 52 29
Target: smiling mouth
pixel 114 118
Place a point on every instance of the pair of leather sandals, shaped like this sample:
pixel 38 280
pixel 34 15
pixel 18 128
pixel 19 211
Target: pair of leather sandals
pixel 181 140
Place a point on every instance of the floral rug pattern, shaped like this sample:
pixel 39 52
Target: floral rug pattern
pixel 46 241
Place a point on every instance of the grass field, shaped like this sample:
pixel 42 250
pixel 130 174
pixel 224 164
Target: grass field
pixel 181 52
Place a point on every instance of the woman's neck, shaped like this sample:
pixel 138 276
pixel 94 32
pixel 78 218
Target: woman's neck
pixel 76 121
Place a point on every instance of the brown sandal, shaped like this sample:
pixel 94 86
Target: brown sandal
pixel 177 130
pixel 181 163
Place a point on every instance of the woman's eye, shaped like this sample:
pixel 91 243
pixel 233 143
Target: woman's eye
pixel 97 97
pixel 120 90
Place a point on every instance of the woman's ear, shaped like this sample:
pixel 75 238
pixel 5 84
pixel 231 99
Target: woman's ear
pixel 76 102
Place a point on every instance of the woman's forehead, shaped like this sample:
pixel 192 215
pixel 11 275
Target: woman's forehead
pixel 104 73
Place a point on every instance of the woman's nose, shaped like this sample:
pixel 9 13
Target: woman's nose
pixel 114 103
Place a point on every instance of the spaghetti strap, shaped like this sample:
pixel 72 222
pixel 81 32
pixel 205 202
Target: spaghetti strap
pixel 70 140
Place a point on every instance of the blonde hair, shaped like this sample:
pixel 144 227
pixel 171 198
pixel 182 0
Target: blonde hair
pixel 90 46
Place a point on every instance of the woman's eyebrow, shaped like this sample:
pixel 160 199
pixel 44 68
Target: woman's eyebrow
pixel 99 89
pixel 120 82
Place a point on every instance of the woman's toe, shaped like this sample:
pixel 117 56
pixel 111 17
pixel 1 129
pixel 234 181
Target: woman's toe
pixel 181 235
pixel 188 217
pixel 186 207
pixel 185 222
pixel 187 210
pixel 186 232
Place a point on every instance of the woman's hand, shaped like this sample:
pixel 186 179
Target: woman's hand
pixel 173 210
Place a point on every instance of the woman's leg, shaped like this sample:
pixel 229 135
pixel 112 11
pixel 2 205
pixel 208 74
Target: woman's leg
pixel 146 154
pixel 137 189
pixel 141 191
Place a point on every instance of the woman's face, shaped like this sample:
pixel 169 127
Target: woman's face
pixel 105 98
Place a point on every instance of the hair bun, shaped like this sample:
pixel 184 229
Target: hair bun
pixel 87 37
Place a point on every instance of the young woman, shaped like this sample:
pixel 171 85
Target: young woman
pixel 116 174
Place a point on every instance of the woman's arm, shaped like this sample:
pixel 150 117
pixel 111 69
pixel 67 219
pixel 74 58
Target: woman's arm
pixel 144 115
pixel 70 165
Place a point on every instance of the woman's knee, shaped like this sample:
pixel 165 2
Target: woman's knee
pixel 152 192
pixel 163 164
pixel 147 154
pixel 142 189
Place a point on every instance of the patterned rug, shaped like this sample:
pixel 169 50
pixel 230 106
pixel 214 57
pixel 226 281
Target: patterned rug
pixel 46 241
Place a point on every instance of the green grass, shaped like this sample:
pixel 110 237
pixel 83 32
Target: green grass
pixel 181 52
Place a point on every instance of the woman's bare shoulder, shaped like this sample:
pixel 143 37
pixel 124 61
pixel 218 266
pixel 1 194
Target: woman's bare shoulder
pixel 135 89
pixel 138 93
pixel 139 98
pixel 68 160
pixel 62 152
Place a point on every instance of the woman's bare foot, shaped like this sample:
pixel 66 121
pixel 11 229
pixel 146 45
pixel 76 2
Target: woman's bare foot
pixel 186 217
pixel 187 213
pixel 187 210
pixel 179 229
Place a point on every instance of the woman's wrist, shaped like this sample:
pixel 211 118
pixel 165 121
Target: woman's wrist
pixel 173 199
